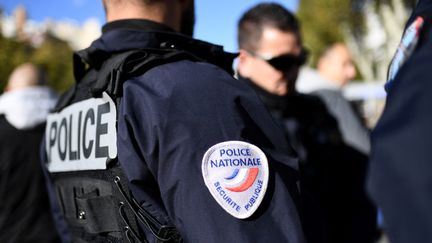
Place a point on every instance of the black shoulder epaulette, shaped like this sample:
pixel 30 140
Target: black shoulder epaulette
pixel 98 71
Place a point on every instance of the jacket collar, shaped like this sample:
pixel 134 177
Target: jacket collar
pixel 135 24
pixel 272 101
pixel 132 34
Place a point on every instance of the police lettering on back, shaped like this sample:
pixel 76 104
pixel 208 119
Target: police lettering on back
pixel 82 136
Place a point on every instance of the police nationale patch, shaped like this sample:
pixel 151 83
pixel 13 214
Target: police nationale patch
pixel 406 47
pixel 82 136
pixel 236 174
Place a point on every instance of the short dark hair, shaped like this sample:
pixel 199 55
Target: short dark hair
pixel 252 23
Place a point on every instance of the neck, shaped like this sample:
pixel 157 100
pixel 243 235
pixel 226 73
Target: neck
pixel 161 13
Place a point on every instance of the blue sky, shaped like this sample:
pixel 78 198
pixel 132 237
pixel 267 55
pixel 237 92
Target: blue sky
pixel 216 19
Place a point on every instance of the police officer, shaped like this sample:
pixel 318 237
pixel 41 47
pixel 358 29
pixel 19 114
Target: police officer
pixel 200 158
pixel 333 200
pixel 400 171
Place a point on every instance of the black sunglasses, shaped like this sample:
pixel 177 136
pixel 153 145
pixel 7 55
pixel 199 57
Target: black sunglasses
pixel 284 62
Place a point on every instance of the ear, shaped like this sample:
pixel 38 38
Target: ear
pixel 321 64
pixel 243 63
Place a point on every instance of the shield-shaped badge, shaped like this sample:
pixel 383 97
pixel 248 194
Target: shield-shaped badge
pixel 236 174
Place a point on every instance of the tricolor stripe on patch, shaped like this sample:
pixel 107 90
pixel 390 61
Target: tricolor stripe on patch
pixel 248 180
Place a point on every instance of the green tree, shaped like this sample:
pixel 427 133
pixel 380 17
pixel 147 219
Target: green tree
pixel 408 3
pixel 328 21
pixel 12 53
pixel 54 55
pixel 322 22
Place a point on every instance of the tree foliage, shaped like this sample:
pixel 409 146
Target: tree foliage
pixel 322 22
pixel 54 56
pixel 371 28
pixel 12 53
pixel 408 3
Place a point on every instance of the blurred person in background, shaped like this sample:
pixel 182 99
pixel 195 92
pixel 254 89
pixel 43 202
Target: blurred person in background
pixel 24 207
pixel 335 69
pixel 333 201
pixel 400 173
pixel 336 65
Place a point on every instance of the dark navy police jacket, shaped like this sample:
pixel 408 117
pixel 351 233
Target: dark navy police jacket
pixel 169 117
pixel 400 176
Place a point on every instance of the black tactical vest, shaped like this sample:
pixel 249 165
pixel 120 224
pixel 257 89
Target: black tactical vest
pixel 90 186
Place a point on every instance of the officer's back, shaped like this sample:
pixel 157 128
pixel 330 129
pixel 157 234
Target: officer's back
pixel 199 156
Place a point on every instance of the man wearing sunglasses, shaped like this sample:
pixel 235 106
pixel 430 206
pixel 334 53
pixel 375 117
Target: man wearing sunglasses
pixel 331 174
pixel 270 55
